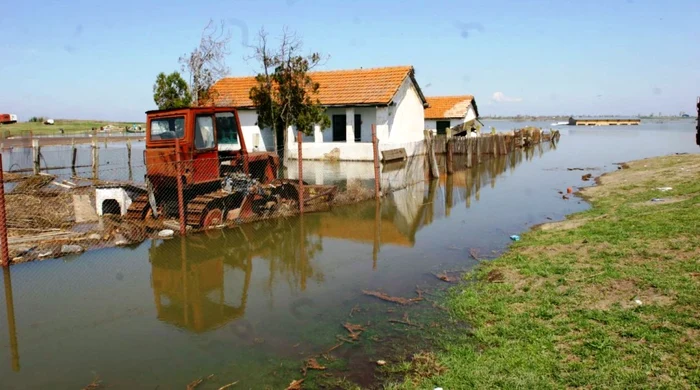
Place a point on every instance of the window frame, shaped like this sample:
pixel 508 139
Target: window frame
pixel 213 129
pixel 150 128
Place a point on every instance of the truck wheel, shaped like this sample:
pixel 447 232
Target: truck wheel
pixel 213 217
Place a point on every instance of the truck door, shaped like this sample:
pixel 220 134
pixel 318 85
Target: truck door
pixel 206 159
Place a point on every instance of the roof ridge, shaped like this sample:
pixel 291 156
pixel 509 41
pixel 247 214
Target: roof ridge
pixel 448 96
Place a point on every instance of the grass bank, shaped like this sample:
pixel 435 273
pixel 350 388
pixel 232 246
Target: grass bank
pixel 609 298
pixel 68 126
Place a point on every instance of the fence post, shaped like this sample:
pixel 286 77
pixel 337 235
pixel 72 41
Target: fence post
pixel 95 157
pixel 301 175
pixel 74 154
pixel 470 154
pixel 11 325
pixel 478 149
pixel 448 148
pixel 375 152
pixel 128 157
pixel 180 195
pixel 432 162
pixel 36 152
pixel 4 250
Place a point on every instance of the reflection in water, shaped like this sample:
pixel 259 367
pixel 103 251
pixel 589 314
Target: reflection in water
pixel 190 277
pixel 189 288
pixel 10 311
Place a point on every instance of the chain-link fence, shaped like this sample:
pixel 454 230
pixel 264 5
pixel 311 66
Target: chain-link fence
pixel 71 198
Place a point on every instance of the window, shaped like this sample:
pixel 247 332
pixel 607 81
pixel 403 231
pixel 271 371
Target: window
pixel 204 133
pixel 227 129
pixel 442 127
pixel 167 128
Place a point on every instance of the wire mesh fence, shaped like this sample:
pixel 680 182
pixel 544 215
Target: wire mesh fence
pixel 71 198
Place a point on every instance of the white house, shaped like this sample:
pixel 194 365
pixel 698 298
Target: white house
pixel 449 112
pixel 357 99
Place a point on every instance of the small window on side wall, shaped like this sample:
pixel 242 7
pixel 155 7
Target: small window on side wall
pixel 204 133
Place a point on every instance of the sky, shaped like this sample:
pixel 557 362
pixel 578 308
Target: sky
pixel 98 60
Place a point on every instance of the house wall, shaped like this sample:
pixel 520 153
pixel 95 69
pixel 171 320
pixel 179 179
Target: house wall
pixel 406 115
pixel 398 126
pixel 252 133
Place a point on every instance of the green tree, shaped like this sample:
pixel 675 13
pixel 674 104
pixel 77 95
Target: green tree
pixel 171 91
pixel 285 95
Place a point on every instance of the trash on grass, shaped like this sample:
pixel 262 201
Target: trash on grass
pixel 664 189
pixel 658 199
pixel 515 237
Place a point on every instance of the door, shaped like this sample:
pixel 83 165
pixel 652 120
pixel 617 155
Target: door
pixel 339 134
pixel 206 157
pixel 358 127
pixel 442 127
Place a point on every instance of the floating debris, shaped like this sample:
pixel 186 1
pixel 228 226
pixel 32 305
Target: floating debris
pixel 354 330
pixel 399 300
pixel 445 277
pixel 295 385
pixel 515 237
pixel 474 253
pixel 586 177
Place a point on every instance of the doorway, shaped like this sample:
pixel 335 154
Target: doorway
pixel 339 133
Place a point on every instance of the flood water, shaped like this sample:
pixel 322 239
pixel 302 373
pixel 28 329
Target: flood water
pixel 250 303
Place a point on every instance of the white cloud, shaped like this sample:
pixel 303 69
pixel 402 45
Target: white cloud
pixel 500 97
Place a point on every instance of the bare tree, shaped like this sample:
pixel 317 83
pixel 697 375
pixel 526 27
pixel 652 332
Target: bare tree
pixel 207 62
pixel 285 94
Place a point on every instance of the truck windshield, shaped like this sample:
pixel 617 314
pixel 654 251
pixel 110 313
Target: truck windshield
pixel 227 131
pixel 167 128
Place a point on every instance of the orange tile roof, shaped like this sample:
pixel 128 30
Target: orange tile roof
pixel 448 106
pixel 375 86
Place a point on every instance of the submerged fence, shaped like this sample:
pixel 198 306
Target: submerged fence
pixel 72 198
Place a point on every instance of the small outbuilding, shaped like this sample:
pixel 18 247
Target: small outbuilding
pixel 449 112
pixel 388 98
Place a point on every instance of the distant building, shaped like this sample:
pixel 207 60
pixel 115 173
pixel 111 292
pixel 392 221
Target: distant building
pixel 604 121
pixel 355 100
pixel 449 112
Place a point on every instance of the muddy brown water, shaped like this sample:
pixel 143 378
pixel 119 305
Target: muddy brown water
pixel 250 303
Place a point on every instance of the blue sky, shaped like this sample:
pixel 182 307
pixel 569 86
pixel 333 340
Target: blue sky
pixel 98 60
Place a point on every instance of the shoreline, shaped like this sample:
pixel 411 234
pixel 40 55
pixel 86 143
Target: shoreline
pixel 603 298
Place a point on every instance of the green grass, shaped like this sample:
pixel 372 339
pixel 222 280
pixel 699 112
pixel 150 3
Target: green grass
pixel 68 126
pixel 558 309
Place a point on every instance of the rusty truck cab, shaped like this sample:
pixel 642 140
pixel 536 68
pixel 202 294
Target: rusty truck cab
pixel 197 135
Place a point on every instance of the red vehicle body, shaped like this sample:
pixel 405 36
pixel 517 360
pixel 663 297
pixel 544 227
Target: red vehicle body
pixel 8 118
pixel 192 136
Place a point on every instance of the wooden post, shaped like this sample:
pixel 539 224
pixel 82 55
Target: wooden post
pixel 180 195
pixel 74 154
pixel 11 325
pixel 478 149
pixel 375 152
pixel 432 161
pixel 448 148
pixel 494 144
pixel 470 154
pixel 95 158
pixel 36 152
pixel 4 250
pixel 301 180
pixel 377 229
pixel 128 158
